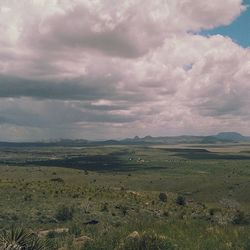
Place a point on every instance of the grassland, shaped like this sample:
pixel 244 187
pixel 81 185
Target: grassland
pixel 106 193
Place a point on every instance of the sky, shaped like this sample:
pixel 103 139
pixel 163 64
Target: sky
pixel 100 69
pixel 238 30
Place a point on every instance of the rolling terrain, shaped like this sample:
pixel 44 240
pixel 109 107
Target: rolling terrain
pixel 182 196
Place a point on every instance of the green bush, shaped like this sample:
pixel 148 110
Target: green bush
pixel 28 197
pixel 64 213
pixel 59 180
pixel 239 218
pixel 104 207
pixel 75 230
pixel 213 211
pixel 181 200
pixel 52 235
pixel 163 197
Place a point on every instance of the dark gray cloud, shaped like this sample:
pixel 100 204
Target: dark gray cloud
pixel 56 114
pixel 74 89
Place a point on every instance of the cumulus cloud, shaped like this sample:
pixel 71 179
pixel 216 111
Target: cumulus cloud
pixel 113 68
pixel 117 28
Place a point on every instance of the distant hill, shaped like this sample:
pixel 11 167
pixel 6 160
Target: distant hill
pixel 162 140
pixel 224 137
pixel 231 136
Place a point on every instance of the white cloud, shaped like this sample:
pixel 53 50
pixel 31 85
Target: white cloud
pixel 96 68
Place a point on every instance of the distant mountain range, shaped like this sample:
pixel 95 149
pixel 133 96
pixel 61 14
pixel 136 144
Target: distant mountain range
pixel 224 137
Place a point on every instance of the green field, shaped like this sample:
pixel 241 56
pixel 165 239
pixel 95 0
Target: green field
pixel 107 193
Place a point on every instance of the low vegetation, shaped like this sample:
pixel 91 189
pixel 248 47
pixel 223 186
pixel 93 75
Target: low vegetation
pixel 124 198
pixel 19 239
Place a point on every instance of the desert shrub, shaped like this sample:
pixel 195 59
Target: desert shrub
pixel 147 241
pixel 165 213
pixel 104 207
pixel 16 238
pixel 14 217
pixel 60 180
pixel 64 213
pixel 52 235
pixel 39 244
pixel 75 230
pixel 124 210
pixel 247 244
pixel 181 200
pixel 27 197
pixel 163 197
pixel 213 211
pixel 75 196
pixel 239 218
pixel 19 239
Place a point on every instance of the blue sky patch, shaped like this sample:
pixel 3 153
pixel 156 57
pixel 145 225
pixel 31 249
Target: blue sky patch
pixel 238 31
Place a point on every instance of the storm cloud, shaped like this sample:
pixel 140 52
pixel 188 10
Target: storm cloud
pixel 112 69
